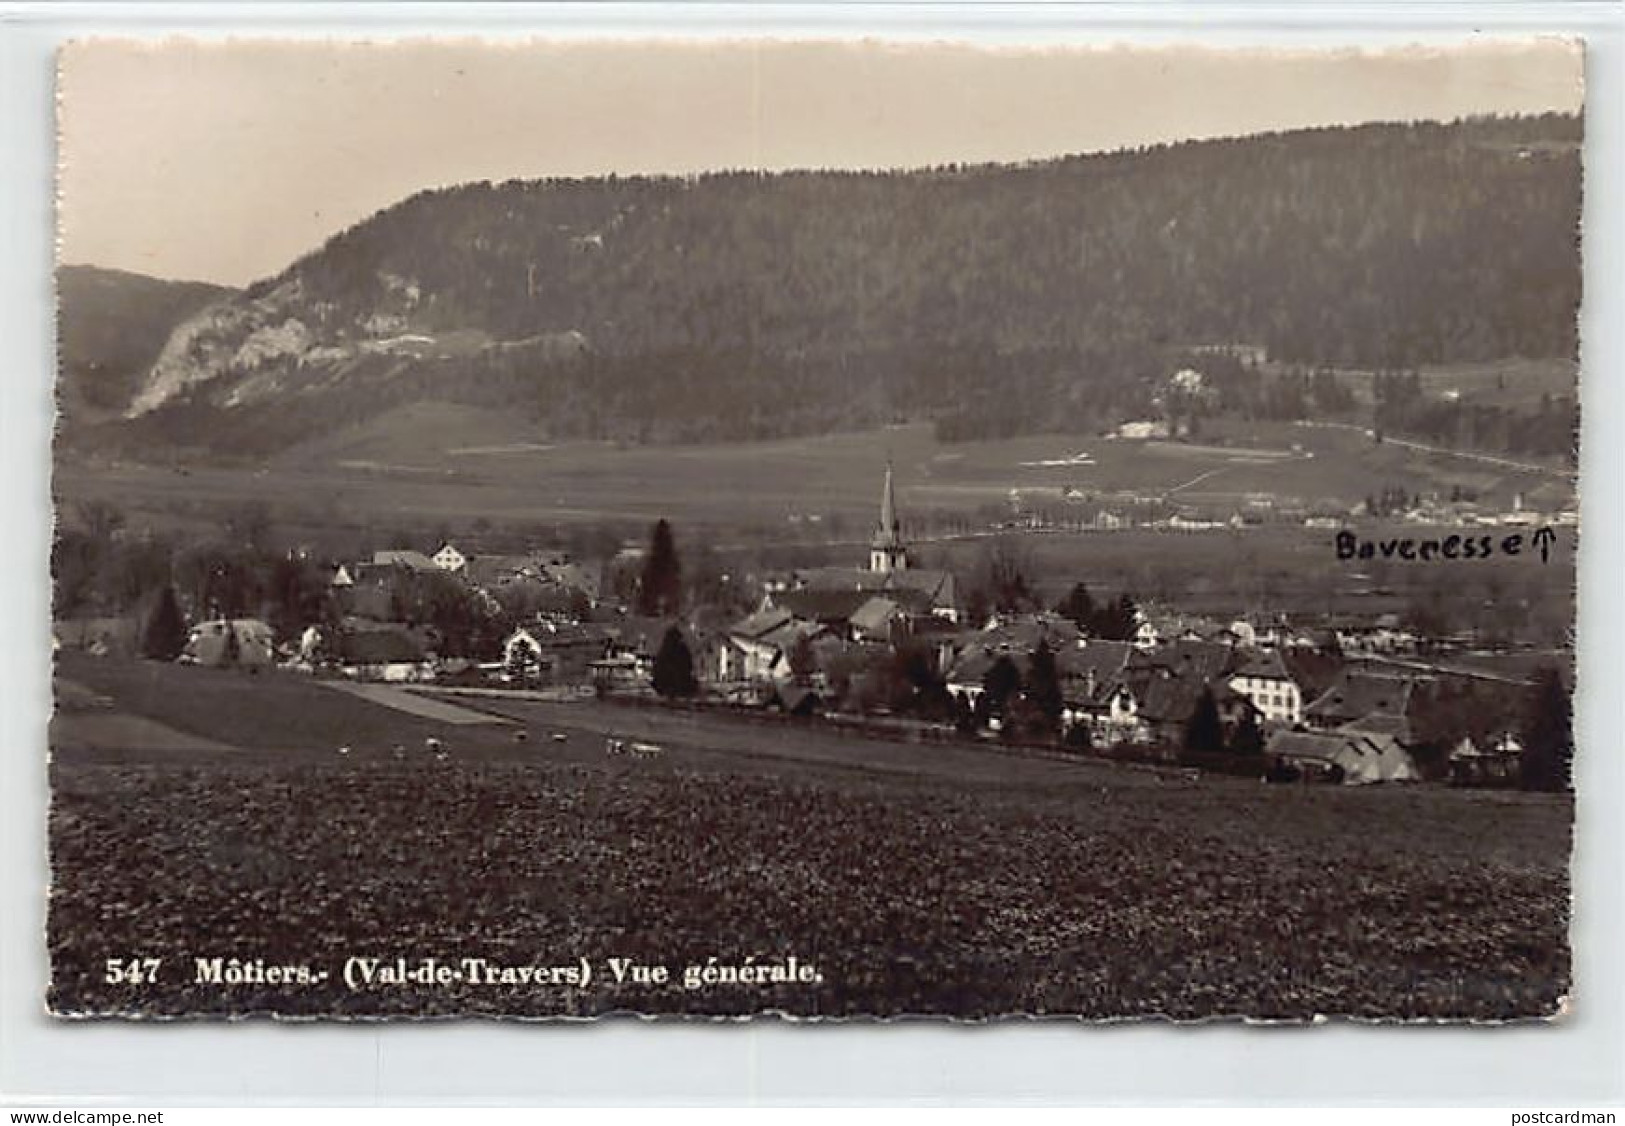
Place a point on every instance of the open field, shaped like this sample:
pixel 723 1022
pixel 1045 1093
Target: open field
pixel 471 470
pixel 916 879
pixel 1514 382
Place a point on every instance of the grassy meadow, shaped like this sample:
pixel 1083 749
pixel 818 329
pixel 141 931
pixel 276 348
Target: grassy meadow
pixel 916 879
pixel 439 465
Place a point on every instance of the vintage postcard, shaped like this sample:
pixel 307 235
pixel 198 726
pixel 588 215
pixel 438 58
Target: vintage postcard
pixel 829 529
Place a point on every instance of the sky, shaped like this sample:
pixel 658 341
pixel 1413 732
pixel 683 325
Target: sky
pixel 225 161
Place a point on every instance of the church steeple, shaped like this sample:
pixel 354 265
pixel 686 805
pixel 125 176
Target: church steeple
pixel 886 551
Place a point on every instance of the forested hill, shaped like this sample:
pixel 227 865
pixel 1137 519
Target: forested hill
pixel 739 305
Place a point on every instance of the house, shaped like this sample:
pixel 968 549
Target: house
pixel 1146 636
pixel 414 562
pixel 566 574
pixel 243 642
pixel 1141 430
pixel 492 572
pixel 974 652
pixel 1347 757
pixel 450 560
pixel 878 619
pixel 393 655
pixel 1266 681
pixel 830 608
pixel 964 680
pixel 1355 694
pixel 556 647
pixel 524 659
pixel 1093 692
pixel 1493 761
pixel 760 648
pixel 1160 710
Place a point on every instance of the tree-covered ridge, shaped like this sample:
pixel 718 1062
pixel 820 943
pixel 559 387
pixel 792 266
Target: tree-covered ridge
pixel 1383 245
pixel 991 299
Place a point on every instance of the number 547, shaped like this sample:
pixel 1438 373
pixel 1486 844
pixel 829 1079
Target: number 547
pixel 131 971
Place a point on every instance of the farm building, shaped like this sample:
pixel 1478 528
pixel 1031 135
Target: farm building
pixel 1348 757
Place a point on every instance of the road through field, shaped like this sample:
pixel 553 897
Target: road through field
pixel 402 700
pixel 1444 451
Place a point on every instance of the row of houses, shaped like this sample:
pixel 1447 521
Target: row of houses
pixel 487 573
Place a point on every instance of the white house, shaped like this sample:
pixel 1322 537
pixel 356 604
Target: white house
pixel 450 560
pixel 759 648
pixel 522 657
pixel 1266 682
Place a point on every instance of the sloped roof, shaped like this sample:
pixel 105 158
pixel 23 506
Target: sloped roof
pixel 822 605
pixel 1205 660
pixel 842 578
pixel 1389 724
pixel 555 635
pixel 786 636
pixel 761 623
pixel 1105 659
pixel 1024 633
pixel 1357 694
pixel 971 667
pixel 1264 666
pixel 488 569
pixel 411 560
pixel 1362 758
pixel 938 585
pixel 1169 699
pixel 875 614
pixel 1330 749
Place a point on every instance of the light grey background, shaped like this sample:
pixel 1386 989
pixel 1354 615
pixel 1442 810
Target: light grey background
pixel 1579 1061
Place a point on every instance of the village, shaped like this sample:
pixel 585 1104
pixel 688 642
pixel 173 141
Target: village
pixel 890 649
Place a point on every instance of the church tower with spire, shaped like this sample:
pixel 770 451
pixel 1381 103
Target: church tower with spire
pixel 886 550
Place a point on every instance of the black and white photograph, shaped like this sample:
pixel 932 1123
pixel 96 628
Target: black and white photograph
pixel 815 530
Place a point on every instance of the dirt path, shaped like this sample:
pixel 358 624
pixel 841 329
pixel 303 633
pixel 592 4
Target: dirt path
pixel 404 700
